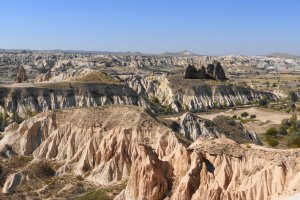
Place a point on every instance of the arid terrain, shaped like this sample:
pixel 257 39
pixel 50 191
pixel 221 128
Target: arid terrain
pixel 176 126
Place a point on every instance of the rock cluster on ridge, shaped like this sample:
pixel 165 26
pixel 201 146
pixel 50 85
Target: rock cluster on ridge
pixel 213 71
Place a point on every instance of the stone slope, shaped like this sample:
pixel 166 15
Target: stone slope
pixel 29 99
pixel 194 127
pixel 193 94
pixel 109 144
pixel 98 143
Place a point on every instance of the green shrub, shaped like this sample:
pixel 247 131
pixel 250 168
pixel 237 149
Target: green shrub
pixel 263 102
pixel 216 104
pixel 283 129
pixel 186 107
pixel 273 142
pixel 93 195
pixel 293 141
pixel 244 114
pixel 169 108
pixel 293 97
pixel 252 116
pixel 271 132
pixel 155 100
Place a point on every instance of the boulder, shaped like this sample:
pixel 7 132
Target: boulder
pixel 21 75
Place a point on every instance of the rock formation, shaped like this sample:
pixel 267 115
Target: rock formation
pixel 184 94
pixel 37 63
pixel 21 75
pixel 194 127
pixel 213 71
pixel 109 144
pixel 219 73
pixel 202 73
pixel 191 72
pixel 29 100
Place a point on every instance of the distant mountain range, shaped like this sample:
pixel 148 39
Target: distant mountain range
pixel 283 55
pixel 184 53
pixel 136 53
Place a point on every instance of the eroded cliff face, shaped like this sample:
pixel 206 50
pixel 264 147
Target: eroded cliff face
pixel 194 127
pixel 223 169
pixel 106 145
pixel 185 94
pixel 28 100
pixel 98 143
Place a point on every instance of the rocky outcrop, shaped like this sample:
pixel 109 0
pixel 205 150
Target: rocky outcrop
pixel 45 65
pixel 214 71
pixel 100 144
pixel 11 182
pixel 108 144
pixel 147 166
pixel 85 75
pixel 191 72
pixel 26 101
pixel 185 94
pixel 21 75
pixel 218 72
pixel 202 73
pixel 194 127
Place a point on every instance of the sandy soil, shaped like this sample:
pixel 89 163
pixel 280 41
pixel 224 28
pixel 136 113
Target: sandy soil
pixel 266 117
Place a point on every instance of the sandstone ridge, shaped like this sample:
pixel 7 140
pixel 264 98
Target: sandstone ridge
pixel 106 145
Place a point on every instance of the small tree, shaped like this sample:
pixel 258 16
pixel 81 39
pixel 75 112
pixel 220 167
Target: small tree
pixel 293 97
pixel 273 142
pixel 283 129
pixel 263 102
pixel 252 116
pixel 155 100
pixel 169 108
pixel 244 114
pixel 186 107
pixel 271 132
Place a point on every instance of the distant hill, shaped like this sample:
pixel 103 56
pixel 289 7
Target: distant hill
pixel 127 53
pixel 283 55
pixel 179 54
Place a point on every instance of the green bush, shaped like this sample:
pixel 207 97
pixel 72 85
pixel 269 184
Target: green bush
pixel 293 141
pixel 169 108
pixel 293 97
pixel 273 142
pixel 252 116
pixel 283 129
pixel 244 114
pixel 186 107
pixel 271 132
pixel 263 102
pixel 155 100
pixel 93 195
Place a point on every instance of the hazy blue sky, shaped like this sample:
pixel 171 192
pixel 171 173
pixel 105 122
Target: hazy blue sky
pixel 214 27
